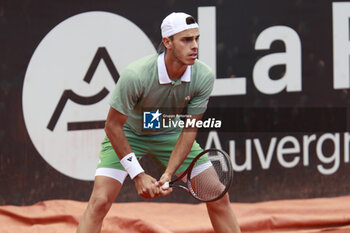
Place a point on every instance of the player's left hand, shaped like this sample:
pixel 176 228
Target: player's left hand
pixel 163 179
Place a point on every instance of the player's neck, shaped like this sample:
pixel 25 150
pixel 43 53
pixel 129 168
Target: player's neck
pixel 174 67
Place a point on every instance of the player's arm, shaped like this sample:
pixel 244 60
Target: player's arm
pixel 145 185
pixel 115 133
pixel 181 150
pixel 196 108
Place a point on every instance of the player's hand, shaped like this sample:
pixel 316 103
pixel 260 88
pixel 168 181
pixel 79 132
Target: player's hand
pixel 146 186
pixel 163 179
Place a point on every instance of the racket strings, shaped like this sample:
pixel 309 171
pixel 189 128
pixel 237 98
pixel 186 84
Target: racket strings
pixel 212 182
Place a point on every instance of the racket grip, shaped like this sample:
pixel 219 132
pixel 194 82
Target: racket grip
pixel 165 185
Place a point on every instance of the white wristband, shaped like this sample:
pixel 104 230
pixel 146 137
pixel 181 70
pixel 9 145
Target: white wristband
pixel 131 165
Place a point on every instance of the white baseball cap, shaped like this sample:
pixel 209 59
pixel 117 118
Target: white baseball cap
pixel 177 22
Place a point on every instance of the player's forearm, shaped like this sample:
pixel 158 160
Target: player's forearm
pixel 123 150
pixel 119 142
pixel 183 147
pixel 181 150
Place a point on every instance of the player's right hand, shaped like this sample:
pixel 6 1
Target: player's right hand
pixel 146 186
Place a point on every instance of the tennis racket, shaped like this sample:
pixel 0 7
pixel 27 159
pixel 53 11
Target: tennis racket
pixel 207 181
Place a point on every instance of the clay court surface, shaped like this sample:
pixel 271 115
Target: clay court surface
pixel 326 215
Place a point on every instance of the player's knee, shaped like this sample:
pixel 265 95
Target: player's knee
pixel 221 204
pixel 99 207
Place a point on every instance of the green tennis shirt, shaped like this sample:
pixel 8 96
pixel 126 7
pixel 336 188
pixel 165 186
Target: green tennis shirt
pixel 145 85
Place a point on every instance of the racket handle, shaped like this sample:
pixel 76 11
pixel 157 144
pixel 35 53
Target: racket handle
pixel 165 185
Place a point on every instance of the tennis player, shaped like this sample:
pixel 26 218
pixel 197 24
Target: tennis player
pixel 171 81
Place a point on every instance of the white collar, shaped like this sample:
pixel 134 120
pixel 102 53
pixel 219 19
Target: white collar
pixel 163 74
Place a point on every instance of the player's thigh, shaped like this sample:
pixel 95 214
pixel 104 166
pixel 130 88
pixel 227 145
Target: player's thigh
pixel 207 179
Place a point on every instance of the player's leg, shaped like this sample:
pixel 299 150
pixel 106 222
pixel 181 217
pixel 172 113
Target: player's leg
pixel 222 216
pixel 103 195
pixel 220 212
pixel 109 178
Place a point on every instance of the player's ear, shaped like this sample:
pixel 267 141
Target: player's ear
pixel 167 42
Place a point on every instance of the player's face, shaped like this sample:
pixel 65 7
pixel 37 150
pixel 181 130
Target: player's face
pixel 185 46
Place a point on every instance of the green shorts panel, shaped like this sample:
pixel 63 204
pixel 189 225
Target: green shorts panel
pixel 158 147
